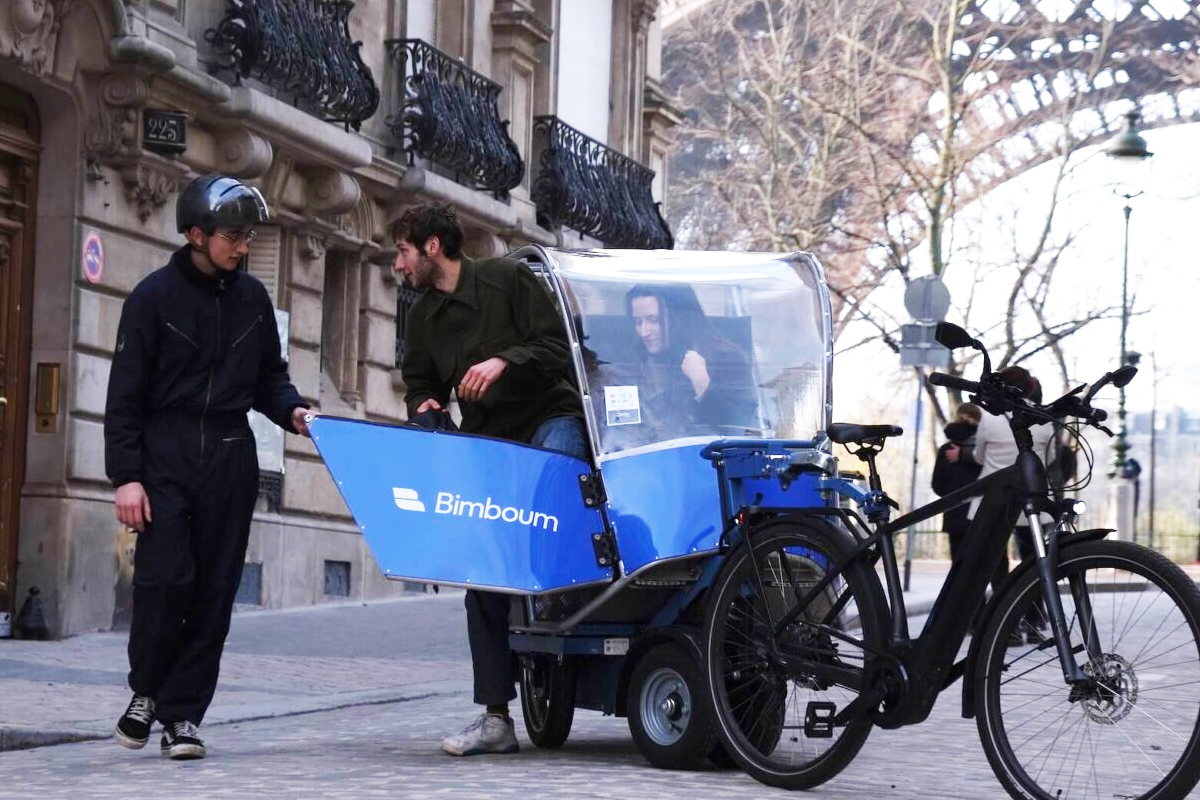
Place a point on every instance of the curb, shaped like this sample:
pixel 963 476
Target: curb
pixel 14 737
pixel 919 606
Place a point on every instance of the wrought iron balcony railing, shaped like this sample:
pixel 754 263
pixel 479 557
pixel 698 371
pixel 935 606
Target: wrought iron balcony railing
pixel 302 48
pixel 449 116
pixel 406 298
pixel 596 190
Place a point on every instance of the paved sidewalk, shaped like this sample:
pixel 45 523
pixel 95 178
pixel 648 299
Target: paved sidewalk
pixel 278 663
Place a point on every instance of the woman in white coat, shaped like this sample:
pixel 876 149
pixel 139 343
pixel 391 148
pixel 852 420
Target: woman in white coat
pixel 995 449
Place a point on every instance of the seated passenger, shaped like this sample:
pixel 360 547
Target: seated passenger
pixel 690 379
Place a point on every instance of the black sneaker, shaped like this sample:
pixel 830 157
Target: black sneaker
pixel 133 728
pixel 181 741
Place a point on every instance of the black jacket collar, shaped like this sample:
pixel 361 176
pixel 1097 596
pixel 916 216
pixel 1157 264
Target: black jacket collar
pixel 222 282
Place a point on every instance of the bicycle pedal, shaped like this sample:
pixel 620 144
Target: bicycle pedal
pixel 818 719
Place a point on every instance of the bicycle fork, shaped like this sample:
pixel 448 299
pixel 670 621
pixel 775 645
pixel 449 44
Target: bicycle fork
pixel 1047 563
pixel 1033 475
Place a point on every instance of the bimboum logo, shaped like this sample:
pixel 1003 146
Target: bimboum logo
pixel 455 506
pixel 407 499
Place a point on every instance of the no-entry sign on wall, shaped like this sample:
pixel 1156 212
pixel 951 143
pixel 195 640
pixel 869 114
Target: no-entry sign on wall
pixel 92 258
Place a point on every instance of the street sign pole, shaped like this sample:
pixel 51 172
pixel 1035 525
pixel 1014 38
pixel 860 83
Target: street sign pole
pixel 909 541
pixel 927 300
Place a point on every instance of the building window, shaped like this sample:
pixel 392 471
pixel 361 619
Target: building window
pixel 263 261
pixel 339 322
pixel 405 299
pixel 585 73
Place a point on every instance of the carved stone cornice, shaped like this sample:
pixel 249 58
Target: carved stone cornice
pixel 275 182
pixel 331 191
pixel 151 182
pixel 111 136
pixel 642 13
pixel 29 31
pixel 112 139
pixel 658 115
pixel 515 26
pixel 312 248
pixel 358 225
pixel 243 154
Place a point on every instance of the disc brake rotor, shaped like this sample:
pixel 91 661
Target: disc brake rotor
pixel 1116 689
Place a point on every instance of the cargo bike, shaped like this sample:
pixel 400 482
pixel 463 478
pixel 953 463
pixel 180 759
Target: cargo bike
pixel 711 575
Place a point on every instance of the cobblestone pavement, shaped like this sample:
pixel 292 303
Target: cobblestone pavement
pixel 391 750
pixel 402 668
pixel 275 662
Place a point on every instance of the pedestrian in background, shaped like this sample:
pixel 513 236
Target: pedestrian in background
pixel 488 331
pixel 197 348
pixel 954 468
pixel 995 449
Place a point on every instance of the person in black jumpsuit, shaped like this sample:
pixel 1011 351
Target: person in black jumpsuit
pixel 197 347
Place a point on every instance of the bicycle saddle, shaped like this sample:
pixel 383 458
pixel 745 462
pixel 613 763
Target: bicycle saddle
pixel 847 433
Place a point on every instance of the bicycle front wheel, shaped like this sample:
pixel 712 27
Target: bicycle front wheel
pixel 773 718
pixel 1134 626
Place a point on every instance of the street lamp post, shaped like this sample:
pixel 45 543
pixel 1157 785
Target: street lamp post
pixel 1128 148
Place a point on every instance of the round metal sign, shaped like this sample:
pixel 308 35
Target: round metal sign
pixel 92 258
pixel 927 298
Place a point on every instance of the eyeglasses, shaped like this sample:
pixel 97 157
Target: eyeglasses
pixel 237 237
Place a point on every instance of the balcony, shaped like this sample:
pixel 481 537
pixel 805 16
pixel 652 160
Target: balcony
pixel 406 298
pixel 450 117
pixel 301 48
pixel 595 190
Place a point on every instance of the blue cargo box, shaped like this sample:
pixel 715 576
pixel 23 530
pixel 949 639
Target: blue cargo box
pixel 461 510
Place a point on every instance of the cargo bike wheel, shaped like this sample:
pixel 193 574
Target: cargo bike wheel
pixel 670 716
pixel 547 699
pixel 774 718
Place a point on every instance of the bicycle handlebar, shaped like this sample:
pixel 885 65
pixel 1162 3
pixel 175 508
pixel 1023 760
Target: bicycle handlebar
pixel 953 382
pixel 997 396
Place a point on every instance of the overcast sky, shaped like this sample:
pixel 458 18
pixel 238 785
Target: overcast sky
pixel 1164 278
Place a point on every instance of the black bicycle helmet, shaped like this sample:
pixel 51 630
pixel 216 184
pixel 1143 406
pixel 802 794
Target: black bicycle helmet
pixel 217 201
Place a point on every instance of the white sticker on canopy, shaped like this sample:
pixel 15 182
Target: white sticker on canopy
pixel 621 405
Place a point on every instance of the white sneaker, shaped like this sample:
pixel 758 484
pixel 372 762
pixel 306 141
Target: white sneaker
pixel 490 733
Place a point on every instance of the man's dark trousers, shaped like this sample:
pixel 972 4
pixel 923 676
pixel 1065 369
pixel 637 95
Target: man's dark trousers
pixel 487 612
pixel 188 562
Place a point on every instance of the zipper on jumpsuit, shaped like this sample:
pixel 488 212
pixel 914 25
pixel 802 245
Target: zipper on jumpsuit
pixel 246 332
pixel 211 372
pixel 184 335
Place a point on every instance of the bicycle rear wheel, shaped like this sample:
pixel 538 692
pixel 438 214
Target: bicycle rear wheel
pixel 761 705
pixel 1134 624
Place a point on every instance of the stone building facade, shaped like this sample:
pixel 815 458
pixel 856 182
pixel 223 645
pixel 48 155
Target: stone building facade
pixel 343 113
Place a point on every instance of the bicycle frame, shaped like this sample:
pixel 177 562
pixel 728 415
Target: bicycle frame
pixel 927 664
pixel 910 673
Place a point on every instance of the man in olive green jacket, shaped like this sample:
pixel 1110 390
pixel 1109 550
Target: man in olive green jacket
pixel 489 331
